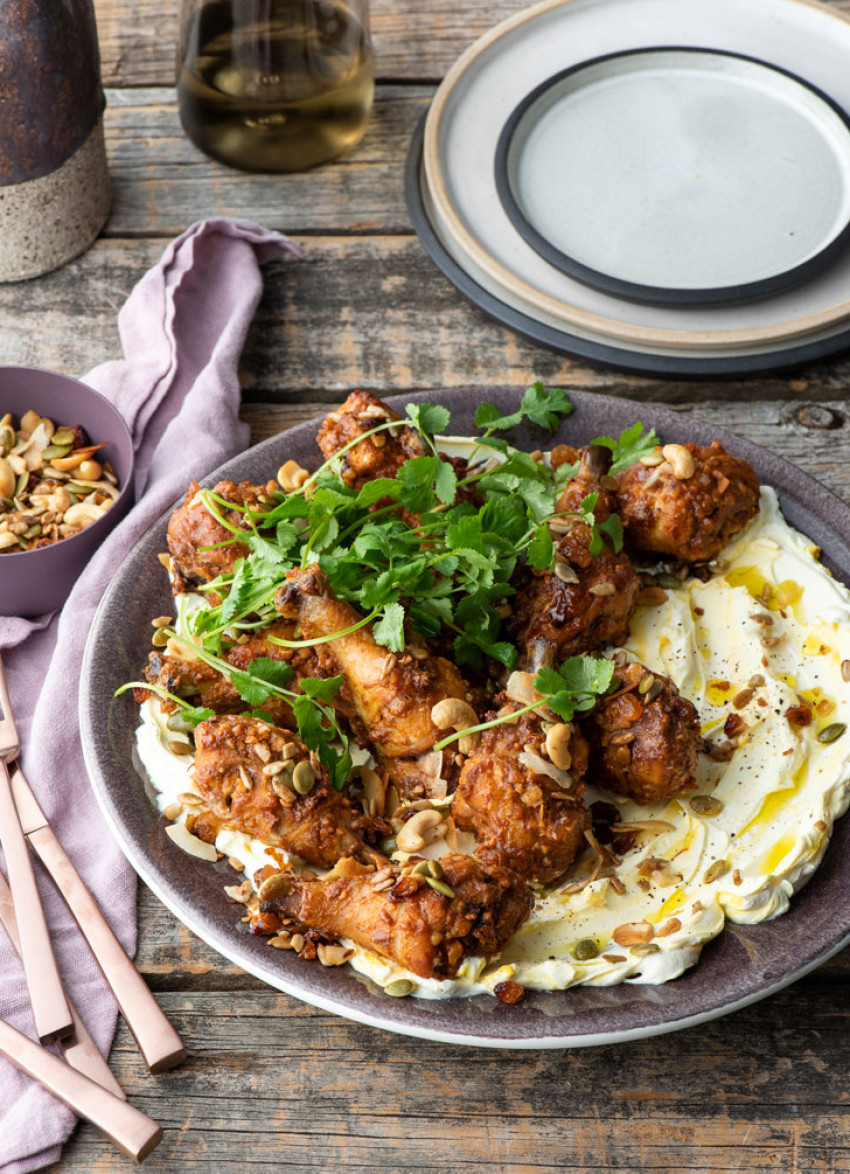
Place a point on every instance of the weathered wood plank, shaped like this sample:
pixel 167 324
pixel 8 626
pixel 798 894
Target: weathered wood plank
pixel 356 311
pixel 162 182
pixel 413 41
pixel 282 1085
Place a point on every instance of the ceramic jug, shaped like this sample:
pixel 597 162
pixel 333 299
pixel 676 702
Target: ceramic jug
pixel 54 184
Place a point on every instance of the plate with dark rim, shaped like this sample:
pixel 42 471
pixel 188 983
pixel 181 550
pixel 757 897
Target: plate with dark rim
pixel 744 964
pixel 679 176
pixel 529 321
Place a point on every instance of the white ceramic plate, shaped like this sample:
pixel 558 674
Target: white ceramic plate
pixel 503 67
pixel 514 312
pixel 678 176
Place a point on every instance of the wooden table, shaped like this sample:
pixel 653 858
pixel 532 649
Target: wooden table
pixel 272 1084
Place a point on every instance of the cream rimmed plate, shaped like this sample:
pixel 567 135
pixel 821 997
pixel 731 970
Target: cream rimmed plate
pixel 518 315
pixel 744 964
pixel 503 67
pixel 679 176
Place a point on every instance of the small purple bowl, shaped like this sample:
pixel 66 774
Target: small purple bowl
pixel 33 582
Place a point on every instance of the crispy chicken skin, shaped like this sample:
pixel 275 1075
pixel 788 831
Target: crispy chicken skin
pixel 381 455
pixel 643 745
pixel 393 694
pixel 410 923
pixel 192 528
pixel 589 601
pixel 691 519
pixel 231 753
pixel 522 819
pixel 197 682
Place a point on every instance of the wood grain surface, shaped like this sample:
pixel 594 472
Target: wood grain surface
pixel 271 1084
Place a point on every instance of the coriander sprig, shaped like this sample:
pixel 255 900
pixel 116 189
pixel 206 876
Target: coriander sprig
pixel 573 688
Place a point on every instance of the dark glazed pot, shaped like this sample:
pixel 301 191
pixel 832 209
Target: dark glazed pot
pixel 33 582
pixel 54 184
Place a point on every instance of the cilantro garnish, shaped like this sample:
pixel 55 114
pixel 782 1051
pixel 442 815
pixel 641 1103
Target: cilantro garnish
pixel 543 407
pixel 633 444
pixel 573 688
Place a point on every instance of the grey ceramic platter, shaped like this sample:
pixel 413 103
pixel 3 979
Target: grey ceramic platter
pixel 743 965
pixel 679 176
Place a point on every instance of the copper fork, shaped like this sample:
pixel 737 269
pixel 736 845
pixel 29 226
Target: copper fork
pixel 52 1015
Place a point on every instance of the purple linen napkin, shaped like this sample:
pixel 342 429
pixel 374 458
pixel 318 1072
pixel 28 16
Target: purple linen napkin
pixel 182 331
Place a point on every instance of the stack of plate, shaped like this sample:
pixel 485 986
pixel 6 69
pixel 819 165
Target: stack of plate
pixel 661 185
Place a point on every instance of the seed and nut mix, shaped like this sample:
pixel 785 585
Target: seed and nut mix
pixel 51 485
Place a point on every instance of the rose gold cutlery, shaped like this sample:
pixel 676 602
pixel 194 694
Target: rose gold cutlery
pixel 158 1042
pixel 128 1127
pixel 79 1049
pixel 53 1020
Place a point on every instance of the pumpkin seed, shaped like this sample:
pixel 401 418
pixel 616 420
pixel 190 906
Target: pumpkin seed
pixel 64 436
pixel 55 450
pixel 399 988
pixel 303 778
pixel 666 580
pixel 706 805
pixel 646 684
pixel 440 886
pixel 160 638
pixel 584 950
pixel 831 733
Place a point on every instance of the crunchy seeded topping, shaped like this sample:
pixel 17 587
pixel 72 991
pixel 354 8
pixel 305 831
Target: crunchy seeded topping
pixel 706 805
pixel 180 835
pixel 584 950
pixel 845 670
pixel 633 933
pixel 399 988
pixel 672 925
pixel 715 871
pixel 831 733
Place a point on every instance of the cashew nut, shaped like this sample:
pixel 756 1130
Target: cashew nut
pixel 681 461
pixel 421 829
pixel 374 791
pixel 291 476
pixel 8 480
pixel 557 745
pixel 83 513
pixel 453 714
pixel 90 471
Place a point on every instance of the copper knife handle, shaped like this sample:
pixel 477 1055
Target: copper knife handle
pixel 133 1132
pixel 159 1043
pixel 50 1009
pixel 79 1050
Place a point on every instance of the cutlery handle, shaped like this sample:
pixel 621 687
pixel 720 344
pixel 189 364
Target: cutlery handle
pixel 130 1129
pixel 79 1050
pixel 50 1009
pixel 158 1042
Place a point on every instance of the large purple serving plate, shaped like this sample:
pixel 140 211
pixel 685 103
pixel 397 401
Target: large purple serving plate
pixel 741 966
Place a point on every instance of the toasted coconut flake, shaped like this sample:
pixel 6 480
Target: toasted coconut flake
pixel 180 835
pixel 540 766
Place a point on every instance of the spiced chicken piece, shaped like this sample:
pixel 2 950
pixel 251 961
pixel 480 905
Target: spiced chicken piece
pixel 588 602
pixel 176 670
pixel 234 773
pixel 192 531
pixel 393 694
pixel 427 932
pixel 381 455
pixel 522 818
pixel 689 506
pixel 644 739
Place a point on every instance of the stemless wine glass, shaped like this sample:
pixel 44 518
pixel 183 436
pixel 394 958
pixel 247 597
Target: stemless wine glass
pixel 275 85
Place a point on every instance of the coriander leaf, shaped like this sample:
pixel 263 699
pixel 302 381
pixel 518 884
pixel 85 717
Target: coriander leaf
pixel 489 417
pixel 266 557
pixel 337 765
pixel 428 418
pixel 389 630
pixel 273 672
pixel 546 408
pixel 632 445
pixel 613 527
pixel 417 480
pixel 322 688
pixel 586 674
pixel 194 715
pixel 263 715
pixel 445 482
pixel 309 721
pixel 565 472
pixel 249 688
pixel 541 551
pixel 374 491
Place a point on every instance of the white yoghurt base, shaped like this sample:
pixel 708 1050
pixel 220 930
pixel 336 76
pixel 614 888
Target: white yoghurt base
pixel 780 792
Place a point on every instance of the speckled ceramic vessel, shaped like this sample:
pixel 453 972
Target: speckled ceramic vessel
pixel 33 582
pixel 54 182
pixel 744 964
